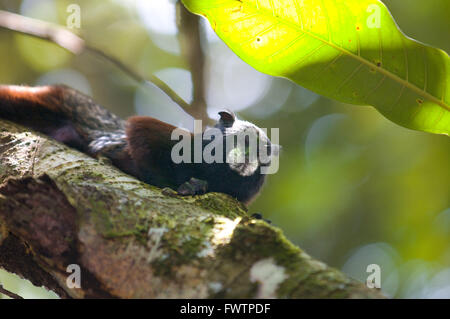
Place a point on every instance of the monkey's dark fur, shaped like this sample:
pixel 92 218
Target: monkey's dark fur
pixel 140 146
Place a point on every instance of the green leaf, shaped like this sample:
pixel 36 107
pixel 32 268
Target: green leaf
pixel 351 51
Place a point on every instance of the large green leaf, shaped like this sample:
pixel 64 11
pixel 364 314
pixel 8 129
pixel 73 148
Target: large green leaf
pixel 349 50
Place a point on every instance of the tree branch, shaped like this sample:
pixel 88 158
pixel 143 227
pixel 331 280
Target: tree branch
pixel 59 207
pixel 76 45
pixel 190 42
pixel 9 293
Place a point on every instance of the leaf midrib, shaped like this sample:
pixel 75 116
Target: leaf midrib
pixel 383 71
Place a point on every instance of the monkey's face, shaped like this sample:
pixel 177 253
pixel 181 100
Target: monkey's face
pixel 247 147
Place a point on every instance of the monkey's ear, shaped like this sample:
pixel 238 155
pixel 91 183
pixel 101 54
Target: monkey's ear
pixel 227 118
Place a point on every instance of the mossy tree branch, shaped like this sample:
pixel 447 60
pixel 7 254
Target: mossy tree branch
pixel 60 207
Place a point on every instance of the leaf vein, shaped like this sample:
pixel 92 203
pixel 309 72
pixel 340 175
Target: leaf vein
pixel 376 87
pixel 290 44
pixel 240 19
pixel 328 20
pixel 259 34
pixel 425 60
pixel 328 65
pixel 355 71
pixel 380 41
pixel 406 60
pixel 398 98
pixel 299 13
pixel 308 55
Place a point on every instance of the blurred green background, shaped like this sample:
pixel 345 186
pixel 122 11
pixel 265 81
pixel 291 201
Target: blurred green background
pixel 353 189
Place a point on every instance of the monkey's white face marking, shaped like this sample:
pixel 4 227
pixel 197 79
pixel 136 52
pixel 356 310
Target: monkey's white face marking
pixel 238 162
pixel 253 147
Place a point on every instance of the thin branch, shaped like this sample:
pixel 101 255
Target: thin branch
pixel 41 29
pixel 75 44
pixel 153 78
pixel 190 42
pixel 9 293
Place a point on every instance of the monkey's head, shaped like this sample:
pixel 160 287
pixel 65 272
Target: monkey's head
pixel 246 146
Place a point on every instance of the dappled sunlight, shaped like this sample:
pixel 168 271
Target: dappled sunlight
pixel 223 230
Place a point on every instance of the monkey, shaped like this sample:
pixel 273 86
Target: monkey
pixel 141 146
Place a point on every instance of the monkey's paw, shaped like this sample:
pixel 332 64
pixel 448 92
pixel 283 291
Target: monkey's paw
pixel 193 187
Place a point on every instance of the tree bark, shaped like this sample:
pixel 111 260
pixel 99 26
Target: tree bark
pixel 59 207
